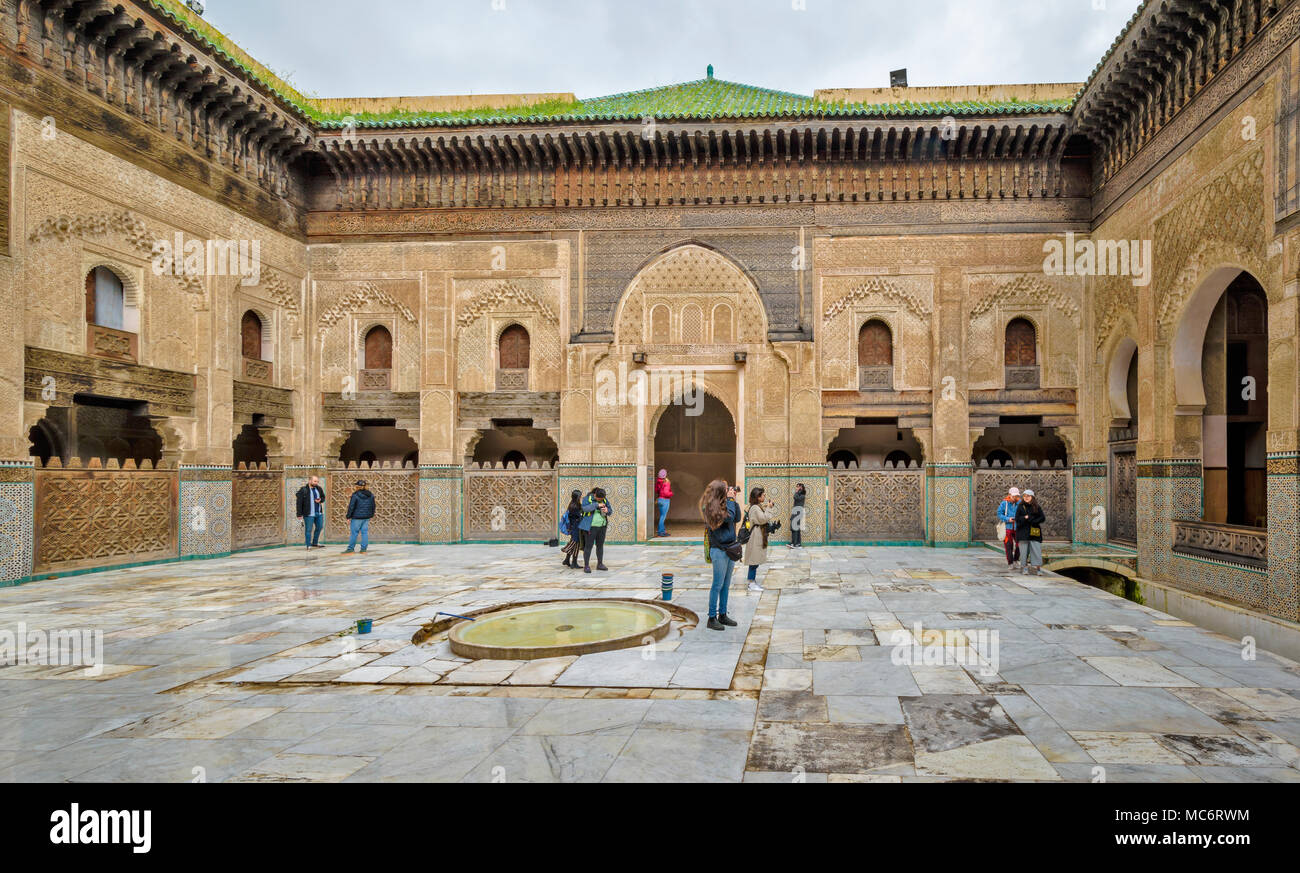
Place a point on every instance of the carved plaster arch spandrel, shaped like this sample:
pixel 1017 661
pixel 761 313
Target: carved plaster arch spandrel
pixel 882 286
pixel 1028 289
pixel 124 224
pixel 691 273
pixel 364 293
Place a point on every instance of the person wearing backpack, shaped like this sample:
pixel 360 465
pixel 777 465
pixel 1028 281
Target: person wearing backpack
pixel 570 518
pixel 758 520
pixel 1007 522
pixel 596 510
pixel 720 515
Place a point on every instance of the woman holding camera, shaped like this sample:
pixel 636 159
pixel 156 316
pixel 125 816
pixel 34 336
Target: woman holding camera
pixel 759 518
pixel 596 510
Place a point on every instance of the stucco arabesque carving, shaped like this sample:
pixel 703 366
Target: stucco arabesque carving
pixel 504 294
pixel 1024 288
pixel 881 286
pixel 363 294
pixel 63 228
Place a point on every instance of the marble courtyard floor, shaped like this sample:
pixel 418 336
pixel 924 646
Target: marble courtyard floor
pixel 243 668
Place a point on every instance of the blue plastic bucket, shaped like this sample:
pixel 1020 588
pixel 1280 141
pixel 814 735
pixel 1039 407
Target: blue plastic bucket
pixel 666 586
pixel 364 625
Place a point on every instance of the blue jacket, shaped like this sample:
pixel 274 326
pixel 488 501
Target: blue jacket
pixel 1007 513
pixel 725 534
pixel 362 505
pixel 589 509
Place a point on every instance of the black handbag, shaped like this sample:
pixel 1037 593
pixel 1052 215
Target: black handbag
pixel 734 551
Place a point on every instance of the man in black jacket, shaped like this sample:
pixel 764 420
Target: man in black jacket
pixel 311 509
pixel 361 508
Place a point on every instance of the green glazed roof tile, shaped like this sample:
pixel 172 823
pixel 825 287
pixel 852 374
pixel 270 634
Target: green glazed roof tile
pixel 702 99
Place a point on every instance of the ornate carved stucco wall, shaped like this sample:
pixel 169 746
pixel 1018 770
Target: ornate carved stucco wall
pixel 75 207
pixel 1210 207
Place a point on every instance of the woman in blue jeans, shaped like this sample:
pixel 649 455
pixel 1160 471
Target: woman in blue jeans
pixel 721 515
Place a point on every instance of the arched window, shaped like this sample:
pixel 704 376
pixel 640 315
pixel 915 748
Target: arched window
pixel 513 348
pixel 722 332
pixel 660 329
pixel 1020 354
pixel 875 356
pixel 379 348
pixel 105 299
pixel 692 324
pixel 250 332
pixel 1021 344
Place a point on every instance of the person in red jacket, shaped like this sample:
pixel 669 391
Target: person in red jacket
pixel 663 494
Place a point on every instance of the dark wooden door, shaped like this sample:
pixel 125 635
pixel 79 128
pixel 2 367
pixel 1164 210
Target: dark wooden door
pixel 875 345
pixel 379 349
pixel 250 330
pixel 1022 346
pixel 513 348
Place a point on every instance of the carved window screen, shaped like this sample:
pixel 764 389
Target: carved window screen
pixel 875 345
pixel 379 349
pixel 513 348
pixel 250 330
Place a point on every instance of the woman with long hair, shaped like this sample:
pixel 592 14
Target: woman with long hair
pixel 720 517
pixel 759 516
pixel 574 513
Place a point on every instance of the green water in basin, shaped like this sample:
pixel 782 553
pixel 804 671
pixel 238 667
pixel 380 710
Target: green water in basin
pixel 559 624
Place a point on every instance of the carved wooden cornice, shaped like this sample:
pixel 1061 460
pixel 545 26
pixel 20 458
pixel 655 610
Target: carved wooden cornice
pixel 127 57
pixel 681 164
pixel 1167 56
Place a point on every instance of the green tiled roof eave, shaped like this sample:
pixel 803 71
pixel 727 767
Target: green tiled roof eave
pixel 265 77
pixel 708 99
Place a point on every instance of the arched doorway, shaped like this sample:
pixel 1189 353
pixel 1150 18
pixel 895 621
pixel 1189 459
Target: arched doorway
pixel 1121 515
pixel 695 444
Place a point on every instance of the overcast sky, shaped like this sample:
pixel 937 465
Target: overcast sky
pixel 348 48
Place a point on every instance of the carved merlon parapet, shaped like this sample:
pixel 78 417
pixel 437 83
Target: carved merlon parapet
pixel 167 392
pixel 340 412
pixel 111 465
pixel 478 409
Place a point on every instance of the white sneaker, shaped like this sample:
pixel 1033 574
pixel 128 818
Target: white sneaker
pixel 754 586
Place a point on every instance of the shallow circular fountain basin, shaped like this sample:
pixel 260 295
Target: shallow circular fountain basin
pixel 549 630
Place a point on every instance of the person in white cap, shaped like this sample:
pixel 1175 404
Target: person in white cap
pixel 1007 525
pixel 1029 531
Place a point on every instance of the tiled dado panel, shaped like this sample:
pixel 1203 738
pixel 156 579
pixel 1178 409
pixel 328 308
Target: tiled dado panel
pixel 17 520
pixel 1284 536
pixel 950 498
pixel 1166 490
pixel 621 485
pixel 1090 493
pixel 440 504
pixel 778 480
pixel 205 506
